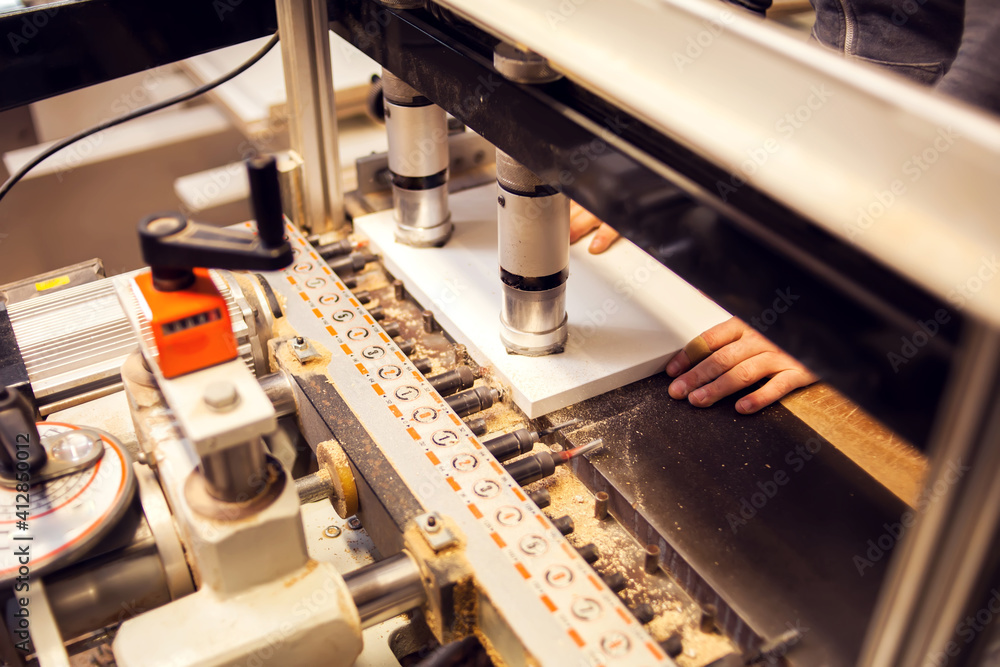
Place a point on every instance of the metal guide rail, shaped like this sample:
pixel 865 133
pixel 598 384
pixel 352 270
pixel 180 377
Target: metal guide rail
pixel 559 609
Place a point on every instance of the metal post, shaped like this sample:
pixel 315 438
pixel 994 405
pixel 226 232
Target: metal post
pixel 534 260
pixel 946 562
pixel 312 123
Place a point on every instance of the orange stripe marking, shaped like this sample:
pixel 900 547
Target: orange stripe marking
pixel 453 484
pixel 317 313
pixel 378 388
pixel 621 612
pixel 475 443
pixel 570 551
pixel 305 297
pixel 394 410
pixel 385 338
pixel 435 460
pixel 353 302
pixel 475 511
pixel 454 418
pixel 417 376
pixel 361 367
pixel 517 492
pixel 498 540
pixel 327 271
pixel 416 436
pixel 331 331
pixel 291 280
pixel 313 255
pixel 302 241
pixel 577 638
pixel 339 285
pixel 594 581
pixel 369 320
pixel 541 520
pixel 657 653
pixel 549 603
pixel 496 466
pixel 346 349
pixel 523 570
pixel 402 357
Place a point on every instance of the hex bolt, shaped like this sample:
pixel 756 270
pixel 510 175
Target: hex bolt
pixel 432 525
pixel 332 531
pixel 615 580
pixel 644 613
pixel 673 645
pixel 354 523
pixel 541 497
pixel 300 341
pixel 501 200
pixel 601 505
pixel 221 396
pixel 564 524
pixel 708 619
pixel 651 560
pixel 589 553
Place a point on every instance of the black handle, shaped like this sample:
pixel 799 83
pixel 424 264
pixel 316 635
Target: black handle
pixel 172 245
pixel 265 198
pixel 22 445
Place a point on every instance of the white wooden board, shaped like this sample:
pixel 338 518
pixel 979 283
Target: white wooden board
pixel 627 313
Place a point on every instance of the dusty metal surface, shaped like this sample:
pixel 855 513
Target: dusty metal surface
pixel 756 515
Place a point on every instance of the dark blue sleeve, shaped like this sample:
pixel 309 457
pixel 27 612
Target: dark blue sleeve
pixel 975 74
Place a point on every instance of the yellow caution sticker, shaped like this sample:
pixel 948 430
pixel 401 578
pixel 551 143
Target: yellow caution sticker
pixel 52 282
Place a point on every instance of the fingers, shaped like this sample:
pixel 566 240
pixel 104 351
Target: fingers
pixel 782 383
pixel 716 337
pixel 581 222
pixel 746 372
pixel 731 357
pixel 741 357
pixel 604 237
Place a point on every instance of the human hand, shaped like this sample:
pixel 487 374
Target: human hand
pixel 582 222
pixel 738 356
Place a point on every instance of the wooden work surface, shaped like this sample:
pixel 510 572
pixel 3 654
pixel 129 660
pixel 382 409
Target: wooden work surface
pixel 895 463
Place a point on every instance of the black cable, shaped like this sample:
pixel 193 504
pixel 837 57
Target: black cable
pixel 183 97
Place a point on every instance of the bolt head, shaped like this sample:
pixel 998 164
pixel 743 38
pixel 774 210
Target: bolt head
pixel 221 396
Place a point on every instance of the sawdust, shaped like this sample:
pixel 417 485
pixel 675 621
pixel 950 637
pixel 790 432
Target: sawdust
pixel 674 610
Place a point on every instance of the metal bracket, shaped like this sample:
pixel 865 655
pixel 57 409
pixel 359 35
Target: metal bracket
pixel 434 530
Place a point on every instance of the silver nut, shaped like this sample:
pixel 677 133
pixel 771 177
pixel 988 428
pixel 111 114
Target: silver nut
pixel 221 396
pixel 332 531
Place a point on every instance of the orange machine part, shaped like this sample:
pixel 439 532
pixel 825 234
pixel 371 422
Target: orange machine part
pixel 191 327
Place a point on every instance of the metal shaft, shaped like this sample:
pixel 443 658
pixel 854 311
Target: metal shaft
pixel 312 123
pixel 235 474
pixel 473 400
pixel 386 588
pixel 533 221
pixel 418 162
